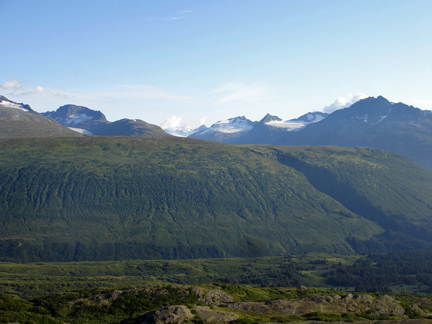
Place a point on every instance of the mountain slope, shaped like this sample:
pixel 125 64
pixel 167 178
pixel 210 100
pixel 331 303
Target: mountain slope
pixel 130 127
pixel 19 120
pixel 395 195
pixel 124 198
pixel 78 117
pixel 225 131
pixel 92 122
pixel 101 198
pixel 372 122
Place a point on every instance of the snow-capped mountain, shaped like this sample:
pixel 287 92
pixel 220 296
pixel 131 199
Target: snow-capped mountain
pixel 5 102
pixel 298 123
pixel 240 130
pixel 78 118
pixel 225 130
pixel 20 120
pixel 232 125
pixel 91 122
pixel 372 122
pixel 184 131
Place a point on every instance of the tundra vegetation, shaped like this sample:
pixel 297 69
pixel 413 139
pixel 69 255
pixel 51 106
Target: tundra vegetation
pixel 111 291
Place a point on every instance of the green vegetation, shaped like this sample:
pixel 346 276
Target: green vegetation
pixel 386 272
pixel 135 303
pixel 378 185
pixel 99 199
pixel 393 272
pixel 38 279
pixel 96 198
pixel 108 292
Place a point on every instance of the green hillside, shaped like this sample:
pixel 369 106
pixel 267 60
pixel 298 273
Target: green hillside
pixel 379 185
pixel 95 198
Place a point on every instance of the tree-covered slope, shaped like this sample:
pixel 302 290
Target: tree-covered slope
pixel 99 198
pixel 96 198
pixel 379 185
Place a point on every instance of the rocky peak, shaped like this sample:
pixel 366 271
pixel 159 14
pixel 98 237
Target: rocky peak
pixel 268 118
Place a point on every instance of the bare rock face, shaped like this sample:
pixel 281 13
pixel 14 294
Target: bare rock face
pixel 169 315
pixel 214 316
pixel 386 305
pixel 212 296
pixel 356 304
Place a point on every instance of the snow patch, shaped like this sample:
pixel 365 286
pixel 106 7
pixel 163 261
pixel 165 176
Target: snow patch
pixel 383 117
pixel 180 132
pixel 232 125
pixel 288 125
pixel 9 104
pixel 296 124
pixel 76 119
pixel 81 130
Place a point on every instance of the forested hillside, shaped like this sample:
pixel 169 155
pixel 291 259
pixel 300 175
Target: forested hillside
pixel 95 198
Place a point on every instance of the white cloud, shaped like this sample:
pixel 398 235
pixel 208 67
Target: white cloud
pixel 342 102
pixel 173 123
pixel 203 120
pixel 10 85
pixel 14 88
pixel 237 92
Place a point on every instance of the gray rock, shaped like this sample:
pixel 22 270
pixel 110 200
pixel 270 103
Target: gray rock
pixel 212 296
pixel 215 316
pixel 170 315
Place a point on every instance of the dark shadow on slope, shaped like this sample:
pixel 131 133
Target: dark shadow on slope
pixel 398 235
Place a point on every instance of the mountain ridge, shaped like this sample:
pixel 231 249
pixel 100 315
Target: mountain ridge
pixel 20 120
pixel 92 122
pixel 370 122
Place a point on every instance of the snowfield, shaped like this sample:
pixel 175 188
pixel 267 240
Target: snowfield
pixel 232 125
pixel 14 105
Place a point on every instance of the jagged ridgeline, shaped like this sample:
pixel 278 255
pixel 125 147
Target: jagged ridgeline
pixel 98 198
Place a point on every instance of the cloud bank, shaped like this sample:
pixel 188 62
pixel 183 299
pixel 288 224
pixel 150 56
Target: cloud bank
pixel 342 102
pixel 174 123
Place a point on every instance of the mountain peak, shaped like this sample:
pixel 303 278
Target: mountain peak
pixel 73 115
pixel 5 102
pixel 268 118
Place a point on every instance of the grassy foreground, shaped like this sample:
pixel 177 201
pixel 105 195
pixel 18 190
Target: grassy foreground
pixel 214 303
pixel 112 291
pixel 393 272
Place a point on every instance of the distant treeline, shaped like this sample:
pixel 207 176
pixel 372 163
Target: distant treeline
pixel 380 271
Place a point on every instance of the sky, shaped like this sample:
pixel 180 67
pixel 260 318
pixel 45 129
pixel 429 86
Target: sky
pixel 185 63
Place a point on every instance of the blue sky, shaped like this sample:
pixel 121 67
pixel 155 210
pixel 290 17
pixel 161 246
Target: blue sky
pixel 212 60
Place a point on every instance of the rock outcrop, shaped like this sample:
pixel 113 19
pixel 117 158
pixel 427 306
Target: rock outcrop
pixel 355 304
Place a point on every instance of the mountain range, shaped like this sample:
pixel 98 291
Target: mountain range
pixel 19 120
pixel 371 122
pixel 90 122
pixel 67 196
